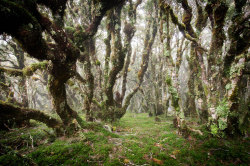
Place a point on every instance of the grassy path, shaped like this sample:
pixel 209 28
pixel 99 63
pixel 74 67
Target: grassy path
pixel 147 141
pixel 137 140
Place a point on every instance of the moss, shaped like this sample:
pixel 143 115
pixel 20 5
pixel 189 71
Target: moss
pixel 69 29
pixel 24 26
pixel 71 83
pixel 97 62
pixel 140 140
pixel 62 152
pixel 13 158
pixel 236 70
pixel 3 85
pixel 168 80
pixel 79 37
pixel 28 71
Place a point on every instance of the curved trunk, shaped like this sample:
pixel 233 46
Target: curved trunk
pixel 57 90
pixel 9 111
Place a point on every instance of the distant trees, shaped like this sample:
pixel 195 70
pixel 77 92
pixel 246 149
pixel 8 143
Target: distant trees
pixel 116 109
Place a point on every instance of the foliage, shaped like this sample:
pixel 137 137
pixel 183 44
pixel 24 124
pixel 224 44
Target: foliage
pixel 214 129
pixel 28 71
pixel 70 41
pixel 168 80
pixel 235 70
pixel 222 111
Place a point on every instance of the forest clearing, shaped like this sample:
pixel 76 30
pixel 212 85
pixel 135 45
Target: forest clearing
pixel 124 82
pixel 136 140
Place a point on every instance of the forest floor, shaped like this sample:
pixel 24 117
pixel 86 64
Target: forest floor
pixel 136 140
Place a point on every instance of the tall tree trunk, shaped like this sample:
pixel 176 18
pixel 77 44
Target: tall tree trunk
pixel 57 90
pixel 193 65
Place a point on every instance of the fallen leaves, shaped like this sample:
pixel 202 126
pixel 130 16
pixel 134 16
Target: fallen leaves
pixel 173 156
pixel 191 138
pixel 126 161
pixel 174 153
pixel 158 145
pixel 157 161
pixel 146 157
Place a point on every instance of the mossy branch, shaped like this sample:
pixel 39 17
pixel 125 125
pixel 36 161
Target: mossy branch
pixel 27 71
pixel 12 72
pixel 56 6
pixel 21 22
pixel 107 42
pixel 3 85
pixel 64 44
pixel 105 6
pixel 129 97
pixel 186 30
pixel 97 103
pixel 10 111
pixel 148 42
pixel 201 19
pixel 218 36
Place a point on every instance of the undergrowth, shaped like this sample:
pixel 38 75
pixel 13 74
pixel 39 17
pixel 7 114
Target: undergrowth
pixel 136 140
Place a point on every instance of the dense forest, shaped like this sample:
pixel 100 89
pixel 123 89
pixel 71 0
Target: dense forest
pixel 124 82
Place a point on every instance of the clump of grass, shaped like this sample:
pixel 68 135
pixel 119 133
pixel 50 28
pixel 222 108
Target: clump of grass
pixel 61 152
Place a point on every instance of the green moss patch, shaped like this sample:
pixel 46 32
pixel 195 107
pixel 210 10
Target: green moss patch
pixel 137 139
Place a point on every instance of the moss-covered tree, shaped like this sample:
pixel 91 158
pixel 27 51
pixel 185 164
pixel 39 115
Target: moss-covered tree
pixel 26 23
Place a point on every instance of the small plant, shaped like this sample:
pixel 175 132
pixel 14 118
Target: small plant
pixel 222 112
pixel 214 129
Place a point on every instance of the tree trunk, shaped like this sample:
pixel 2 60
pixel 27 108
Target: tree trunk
pixel 57 90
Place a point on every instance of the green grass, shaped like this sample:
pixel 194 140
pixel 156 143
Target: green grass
pixel 137 140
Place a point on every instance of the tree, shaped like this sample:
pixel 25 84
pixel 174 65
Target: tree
pixel 210 87
pixel 26 24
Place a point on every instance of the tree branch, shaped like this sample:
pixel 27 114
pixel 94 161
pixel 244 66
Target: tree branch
pixel 27 71
pixel 79 77
pixel 9 111
pixel 12 72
